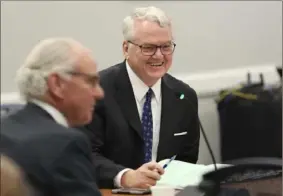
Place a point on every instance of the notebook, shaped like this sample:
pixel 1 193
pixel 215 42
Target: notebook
pixel 181 174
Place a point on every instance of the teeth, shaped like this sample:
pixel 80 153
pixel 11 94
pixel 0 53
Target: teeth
pixel 156 64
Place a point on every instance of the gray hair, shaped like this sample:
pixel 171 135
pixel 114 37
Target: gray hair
pixel 151 13
pixel 53 55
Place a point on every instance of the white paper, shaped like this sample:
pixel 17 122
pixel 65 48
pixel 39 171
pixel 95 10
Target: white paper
pixel 181 174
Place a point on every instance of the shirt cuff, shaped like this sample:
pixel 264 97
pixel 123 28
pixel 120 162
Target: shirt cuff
pixel 117 179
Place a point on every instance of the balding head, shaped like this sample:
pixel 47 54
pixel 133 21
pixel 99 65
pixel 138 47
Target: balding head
pixel 62 73
pixel 48 56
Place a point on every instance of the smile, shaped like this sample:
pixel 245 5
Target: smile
pixel 156 64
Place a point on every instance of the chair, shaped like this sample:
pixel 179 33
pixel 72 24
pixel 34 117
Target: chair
pixel 8 109
pixel 257 176
pixel 245 177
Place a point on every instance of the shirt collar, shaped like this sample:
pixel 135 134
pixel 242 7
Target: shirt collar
pixel 55 114
pixel 140 88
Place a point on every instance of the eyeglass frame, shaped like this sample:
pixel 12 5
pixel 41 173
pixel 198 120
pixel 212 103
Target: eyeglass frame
pixel 156 47
pixel 91 79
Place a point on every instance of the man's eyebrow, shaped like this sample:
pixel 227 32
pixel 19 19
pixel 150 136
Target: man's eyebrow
pixel 146 43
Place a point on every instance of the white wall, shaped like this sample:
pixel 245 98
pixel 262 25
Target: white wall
pixel 209 35
pixel 208 113
pixel 217 42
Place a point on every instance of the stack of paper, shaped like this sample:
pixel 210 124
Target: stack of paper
pixel 181 174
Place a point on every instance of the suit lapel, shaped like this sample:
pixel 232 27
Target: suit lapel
pixel 171 108
pixel 170 113
pixel 126 99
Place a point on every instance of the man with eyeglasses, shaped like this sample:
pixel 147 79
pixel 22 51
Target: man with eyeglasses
pixel 142 118
pixel 60 84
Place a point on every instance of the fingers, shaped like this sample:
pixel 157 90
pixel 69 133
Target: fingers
pixel 143 181
pixel 150 182
pixel 152 170
pixel 152 174
pixel 159 169
pixel 148 174
pixel 151 165
pixel 140 178
pixel 154 166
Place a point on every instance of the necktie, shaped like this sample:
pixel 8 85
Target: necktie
pixel 147 126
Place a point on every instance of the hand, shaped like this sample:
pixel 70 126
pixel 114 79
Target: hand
pixel 144 177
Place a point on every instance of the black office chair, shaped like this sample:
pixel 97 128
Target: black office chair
pixel 247 177
pixel 8 109
pixel 257 176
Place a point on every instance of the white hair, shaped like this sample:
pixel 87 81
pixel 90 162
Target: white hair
pixel 150 13
pixel 52 55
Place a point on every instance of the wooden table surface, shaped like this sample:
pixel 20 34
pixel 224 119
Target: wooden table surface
pixel 107 192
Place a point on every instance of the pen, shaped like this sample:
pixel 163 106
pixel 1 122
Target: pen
pixel 172 158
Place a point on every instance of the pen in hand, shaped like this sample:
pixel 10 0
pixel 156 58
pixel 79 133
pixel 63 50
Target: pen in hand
pixel 169 161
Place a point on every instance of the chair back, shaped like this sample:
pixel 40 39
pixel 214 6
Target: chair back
pixel 8 109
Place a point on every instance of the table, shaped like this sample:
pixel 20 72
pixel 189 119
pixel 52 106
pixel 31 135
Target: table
pixel 272 186
pixel 107 192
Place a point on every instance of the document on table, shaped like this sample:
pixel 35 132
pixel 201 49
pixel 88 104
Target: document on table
pixel 181 174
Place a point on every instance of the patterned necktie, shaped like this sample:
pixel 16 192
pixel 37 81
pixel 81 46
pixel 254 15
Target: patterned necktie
pixel 147 126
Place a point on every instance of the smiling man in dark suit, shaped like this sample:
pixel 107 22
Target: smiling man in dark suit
pixel 60 84
pixel 143 119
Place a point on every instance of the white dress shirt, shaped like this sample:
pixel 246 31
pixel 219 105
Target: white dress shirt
pixel 52 111
pixel 140 89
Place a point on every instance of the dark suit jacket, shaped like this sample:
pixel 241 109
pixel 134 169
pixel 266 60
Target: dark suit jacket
pixel 56 160
pixel 116 132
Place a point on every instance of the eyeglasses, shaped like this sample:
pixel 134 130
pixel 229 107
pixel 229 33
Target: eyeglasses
pixel 150 49
pixel 92 79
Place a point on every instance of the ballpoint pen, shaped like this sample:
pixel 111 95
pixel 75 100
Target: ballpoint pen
pixel 169 161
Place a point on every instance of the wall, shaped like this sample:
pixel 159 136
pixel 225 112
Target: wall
pixel 207 85
pixel 210 35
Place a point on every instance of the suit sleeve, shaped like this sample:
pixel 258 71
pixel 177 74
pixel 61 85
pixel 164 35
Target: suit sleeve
pixel 190 150
pixel 106 169
pixel 72 171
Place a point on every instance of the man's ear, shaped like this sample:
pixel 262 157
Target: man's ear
pixel 125 49
pixel 55 85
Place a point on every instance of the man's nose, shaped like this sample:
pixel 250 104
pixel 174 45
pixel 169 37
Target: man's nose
pixel 158 53
pixel 98 92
